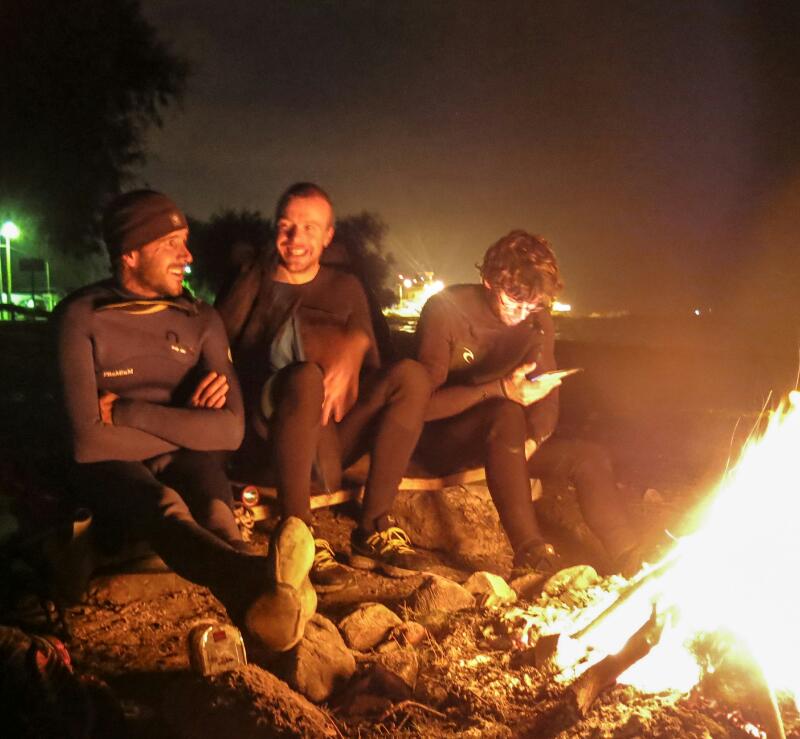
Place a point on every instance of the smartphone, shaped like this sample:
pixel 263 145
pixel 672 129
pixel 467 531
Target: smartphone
pixel 559 374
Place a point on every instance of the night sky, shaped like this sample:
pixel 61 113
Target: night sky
pixel 656 144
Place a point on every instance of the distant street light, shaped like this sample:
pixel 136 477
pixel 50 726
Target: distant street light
pixel 8 231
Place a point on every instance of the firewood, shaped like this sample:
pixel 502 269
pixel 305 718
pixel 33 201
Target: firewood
pixel 605 673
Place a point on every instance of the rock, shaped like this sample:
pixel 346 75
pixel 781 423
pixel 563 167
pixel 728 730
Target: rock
pixel 395 674
pixel 247 702
pixel 490 590
pixel 441 594
pixel 570 585
pixel 320 663
pixel 580 577
pixel 529 586
pixel 408 634
pixel 460 520
pixel 391 678
pixel 368 626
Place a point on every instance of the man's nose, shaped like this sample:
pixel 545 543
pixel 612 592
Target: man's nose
pixel 187 255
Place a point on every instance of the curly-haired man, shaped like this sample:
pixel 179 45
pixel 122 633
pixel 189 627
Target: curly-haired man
pixel 488 348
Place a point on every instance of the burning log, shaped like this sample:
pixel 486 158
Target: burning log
pixel 605 673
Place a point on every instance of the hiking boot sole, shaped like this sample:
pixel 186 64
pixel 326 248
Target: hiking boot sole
pixel 365 562
pixel 291 552
pixel 276 620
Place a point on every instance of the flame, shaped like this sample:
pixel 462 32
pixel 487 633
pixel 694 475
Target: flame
pixel 734 575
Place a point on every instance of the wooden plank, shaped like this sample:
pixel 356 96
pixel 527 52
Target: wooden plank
pixel 466 477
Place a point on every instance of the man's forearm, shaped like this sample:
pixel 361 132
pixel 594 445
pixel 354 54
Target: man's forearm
pixel 201 429
pixel 450 401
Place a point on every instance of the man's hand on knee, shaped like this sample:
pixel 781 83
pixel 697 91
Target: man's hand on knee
pixel 341 388
pixel 341 368
pixel 211 392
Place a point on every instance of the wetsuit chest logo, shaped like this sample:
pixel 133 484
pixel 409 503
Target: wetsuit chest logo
pixel 126 372
pixel 467 355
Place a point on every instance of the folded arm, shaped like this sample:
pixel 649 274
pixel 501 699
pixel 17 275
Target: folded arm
pixel 202 428
pixel 93 440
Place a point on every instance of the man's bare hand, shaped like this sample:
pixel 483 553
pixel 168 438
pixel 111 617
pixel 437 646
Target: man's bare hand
pixel 106 405
pixel 340 381
pixel 211 392
pixel 520 389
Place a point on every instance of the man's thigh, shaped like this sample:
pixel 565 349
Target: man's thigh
pixel 199 477
pixel 561 459
pixel 125 498
pixel 451 444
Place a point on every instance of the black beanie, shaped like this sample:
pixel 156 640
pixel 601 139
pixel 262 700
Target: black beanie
pixel 137 218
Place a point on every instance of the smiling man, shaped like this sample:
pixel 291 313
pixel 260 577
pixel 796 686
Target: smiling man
pixel 487 347
pixel 316 393
pixel 150 396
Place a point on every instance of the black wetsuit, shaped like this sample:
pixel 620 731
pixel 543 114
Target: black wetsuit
pixel 467 350
pixel 153 473
pixel 276 330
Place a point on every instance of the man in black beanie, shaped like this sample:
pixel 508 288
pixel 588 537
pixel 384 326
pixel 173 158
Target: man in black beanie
pixel 151 395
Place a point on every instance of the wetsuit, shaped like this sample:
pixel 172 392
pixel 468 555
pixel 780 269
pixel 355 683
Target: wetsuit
pixel 280 333
pixel 153 472
pixel 467 350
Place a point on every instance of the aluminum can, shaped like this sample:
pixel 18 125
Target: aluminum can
pixel 215 648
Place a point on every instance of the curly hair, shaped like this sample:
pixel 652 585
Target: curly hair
pixel 523 266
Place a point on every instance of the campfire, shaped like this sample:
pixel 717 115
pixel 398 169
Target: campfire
pixel 716 605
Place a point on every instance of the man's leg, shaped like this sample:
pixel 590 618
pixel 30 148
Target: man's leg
pixel 295 433
pixel 490 434
pixel 129 497
pixel 303 451
pixel 386 421
pixel 588 467
pixel 203 484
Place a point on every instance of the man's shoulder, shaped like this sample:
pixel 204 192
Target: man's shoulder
pixel 340 279
pixel 86 298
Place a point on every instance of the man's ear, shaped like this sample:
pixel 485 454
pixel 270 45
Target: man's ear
pixel 328 237
pixel 130 259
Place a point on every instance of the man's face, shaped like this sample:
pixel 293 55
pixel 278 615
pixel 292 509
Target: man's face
pixel 512 312
pixel 304 230
pixel 157 269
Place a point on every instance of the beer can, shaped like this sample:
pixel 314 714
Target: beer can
pixel 215 648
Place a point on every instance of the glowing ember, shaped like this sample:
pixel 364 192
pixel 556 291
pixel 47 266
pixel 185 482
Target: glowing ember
pixel 735 576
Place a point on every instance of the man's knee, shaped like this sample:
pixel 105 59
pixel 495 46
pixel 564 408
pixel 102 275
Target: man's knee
pixel 505 417
pixel 302 381
pixel 590 460
pixel 411 377
pixel 166 502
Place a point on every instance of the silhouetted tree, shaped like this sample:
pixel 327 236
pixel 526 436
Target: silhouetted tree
pixel 362 236
pixel 358 246
pixel 224 245
pixel 81 82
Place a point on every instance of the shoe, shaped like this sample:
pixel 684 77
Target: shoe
pixel 629 562
pixel 277 618
pixel 327 574
pixel 389 550
pixel 539 557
